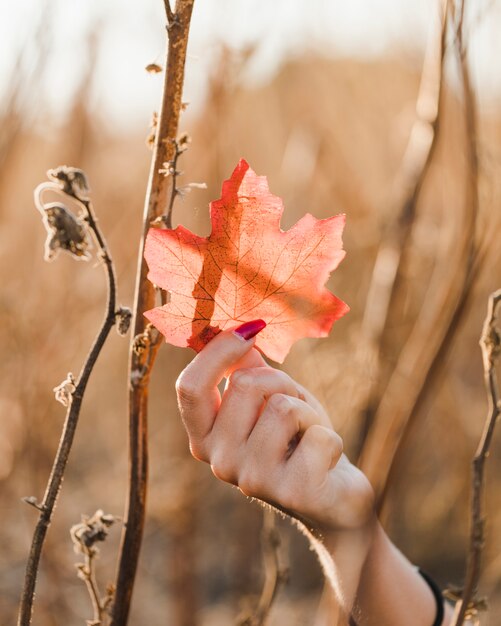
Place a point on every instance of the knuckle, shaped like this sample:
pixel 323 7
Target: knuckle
pixel 187 388
pixel 280 404
pixel 321 434
pixel 288 498
pixel 327 439
pixel 250 483
pixel 337 443
pixel 223 468
pixel 284 378
pixel 242 381
pixel 280 380
pixel 197 450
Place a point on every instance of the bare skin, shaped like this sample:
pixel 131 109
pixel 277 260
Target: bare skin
pixel 271 438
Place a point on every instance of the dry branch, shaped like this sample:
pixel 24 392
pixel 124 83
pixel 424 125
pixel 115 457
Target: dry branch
pixel 424 355
pixel 490 343
pixel 390 261
pixel 275 574
pixel 145 342
pixel 75 396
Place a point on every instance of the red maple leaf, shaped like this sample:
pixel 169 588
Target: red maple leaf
pixel 248 268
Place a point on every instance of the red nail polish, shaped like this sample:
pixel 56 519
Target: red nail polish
pixel 250 329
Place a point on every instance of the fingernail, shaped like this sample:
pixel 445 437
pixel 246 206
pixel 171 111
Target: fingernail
pixel 250 329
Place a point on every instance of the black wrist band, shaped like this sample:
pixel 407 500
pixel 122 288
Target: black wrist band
pixel 437 594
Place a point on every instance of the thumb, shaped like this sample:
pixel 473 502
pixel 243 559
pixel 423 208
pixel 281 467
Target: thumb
pixel 252 358
pixel 229 350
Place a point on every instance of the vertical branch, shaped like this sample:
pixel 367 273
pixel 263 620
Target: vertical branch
pixel 392 251
pixel 470 109
pixel 144 345
pixel 74 396
pixel 274 574
pixel 424 354
pixel 490 343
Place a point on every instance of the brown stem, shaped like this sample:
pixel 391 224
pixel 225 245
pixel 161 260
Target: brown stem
pixel 471 261
pixel 275 576
pixel 141 361
pixel 490 343
pixel 90 581
pixel 386 276
pixel 46 507
pixel 423 356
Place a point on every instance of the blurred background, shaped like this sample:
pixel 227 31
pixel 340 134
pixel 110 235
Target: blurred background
pixel 322 99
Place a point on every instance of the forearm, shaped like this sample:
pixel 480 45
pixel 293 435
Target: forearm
pixel 391 590
pixel 374 581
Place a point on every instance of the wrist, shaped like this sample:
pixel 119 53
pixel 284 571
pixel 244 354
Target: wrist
pixel 364 535
pixel 343 554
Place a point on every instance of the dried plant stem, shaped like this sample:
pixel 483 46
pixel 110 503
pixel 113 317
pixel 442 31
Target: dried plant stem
pixel 383 289
pixel 46 507
pixel 174 191
pixel 470 260
pixel 145 344
pixel 423 357
pixel 490 343
pixel 89 576
pixel 275 574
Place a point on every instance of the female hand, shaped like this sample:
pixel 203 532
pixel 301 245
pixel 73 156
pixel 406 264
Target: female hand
pixel 269 436
pixel 272 439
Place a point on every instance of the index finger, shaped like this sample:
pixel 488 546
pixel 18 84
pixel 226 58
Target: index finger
pixel 197 392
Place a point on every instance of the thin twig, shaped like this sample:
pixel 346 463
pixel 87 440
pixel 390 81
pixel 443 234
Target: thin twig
pixel 275 574
pixel 141 362
pixel 48 503
pixel 170 169
pixel 89 576
pixel 169 14
pixel 85 536
pixel 490 343
pixel 174 172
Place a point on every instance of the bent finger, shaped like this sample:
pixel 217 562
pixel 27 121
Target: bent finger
pixel 281 426
pixel 246 393
pixel 196 387
pixel 265 472
pixel 318 452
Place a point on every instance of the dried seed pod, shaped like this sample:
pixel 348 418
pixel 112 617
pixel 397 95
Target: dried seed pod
pixel 91 530
pixel 183 141
pixel 123 318
pixel 64 391
pixel 73 180
pixel 65 231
